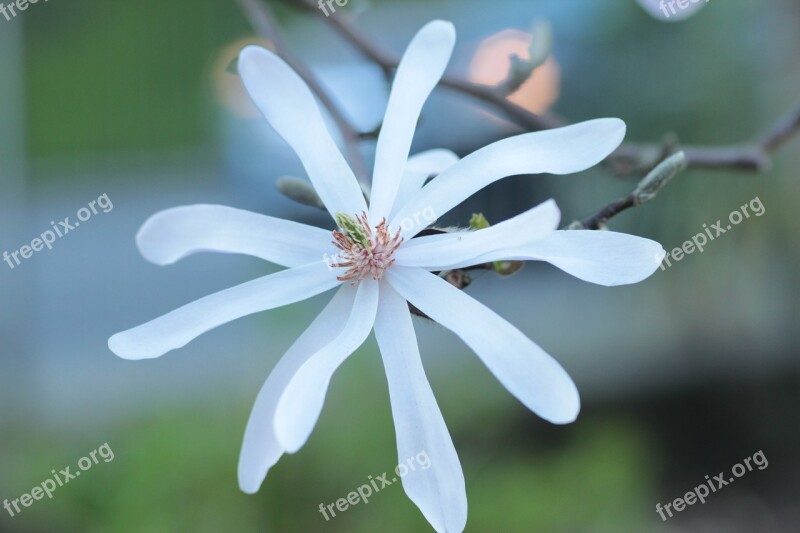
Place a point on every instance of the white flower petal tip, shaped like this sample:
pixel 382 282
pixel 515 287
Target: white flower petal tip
pixel 260 447
pixel 249 486
pixel 603 257
pixel 179 232
pixel 438 33
pixel 590 142
pixel 418 73
pixel 291 109
pixel 441 252
pixel 436 483
pixel 179 327
pixel 303 398
pixel 567 410
pixel 558 151
pixel 150 241
pixel 122 347
pixel 528 372
pixel 658 257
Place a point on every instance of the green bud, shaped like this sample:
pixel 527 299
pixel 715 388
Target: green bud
pixel 352 229
pixel 657 178
pixel 502 268
pixel 299 190
pixel 508 268
pixel 478 221
pixel 233 66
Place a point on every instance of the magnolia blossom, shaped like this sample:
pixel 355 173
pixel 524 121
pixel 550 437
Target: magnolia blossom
pixel 382 266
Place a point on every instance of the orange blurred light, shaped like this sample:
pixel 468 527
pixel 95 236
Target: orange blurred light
pixel 491 65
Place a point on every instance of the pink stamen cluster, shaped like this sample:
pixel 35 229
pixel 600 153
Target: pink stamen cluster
pixel 372 260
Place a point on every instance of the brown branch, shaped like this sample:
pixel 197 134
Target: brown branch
pixel 347 29
pixel 783 130
pixel 628 159
pixel 752 156
pixel 261 18
pixel 598 220
pixel 646 190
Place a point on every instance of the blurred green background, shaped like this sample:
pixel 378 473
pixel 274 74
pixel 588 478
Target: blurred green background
pixel 681 376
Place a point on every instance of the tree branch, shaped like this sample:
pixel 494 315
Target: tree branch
pixel 628 159
pixel 646 190
pixel 388 63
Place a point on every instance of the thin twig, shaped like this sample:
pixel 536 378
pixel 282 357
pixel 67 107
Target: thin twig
pixel 645 191
pixel 260 17
pixel 753 156
pixel 630 158
pixel 388 63
pixel 783 130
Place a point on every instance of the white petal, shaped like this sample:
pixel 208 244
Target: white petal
pixel 432 161
pixel 419 71
pixel 435 483
pixel 603 257
pixel 302 399
pixel 419 168
pixel 527 371
pixel 557 151
pixel 179 327
pixel 173 234
pixel 288 105
pixel 435 252
pixel 261 449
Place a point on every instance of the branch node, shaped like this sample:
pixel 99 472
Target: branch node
pixel 649 187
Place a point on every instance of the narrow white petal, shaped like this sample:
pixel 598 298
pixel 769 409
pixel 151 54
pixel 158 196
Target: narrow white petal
pixel 527 371
pixel 435 252
pixel 260 448
pixel 432 161
pixel 288 105
pixel 302 399
pixel 419 168
pixel 603 257
pixel 557 151
pixel 434 480
pixel 419 71
pixel 173 234
pixel 179 327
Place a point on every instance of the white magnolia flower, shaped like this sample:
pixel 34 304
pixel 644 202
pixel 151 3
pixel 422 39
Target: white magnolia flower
pixel 381 268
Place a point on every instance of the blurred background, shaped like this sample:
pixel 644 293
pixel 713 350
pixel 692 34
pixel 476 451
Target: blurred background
pixel 681 376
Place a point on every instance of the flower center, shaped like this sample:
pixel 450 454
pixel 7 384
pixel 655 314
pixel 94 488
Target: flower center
pixel 365 251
